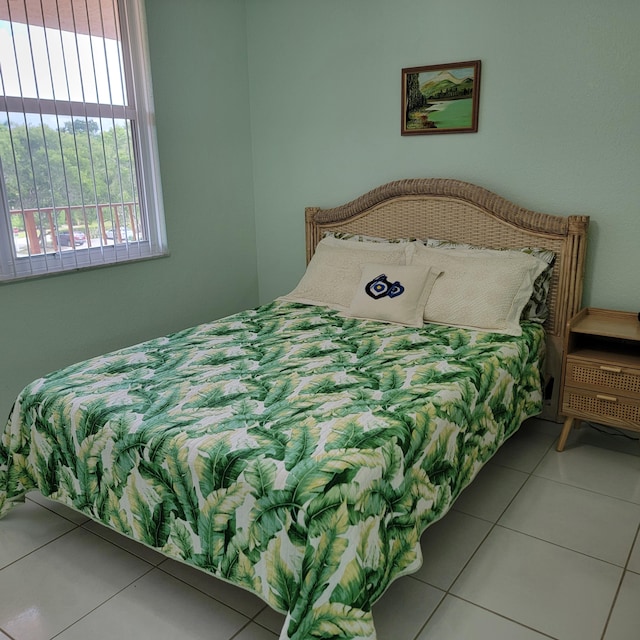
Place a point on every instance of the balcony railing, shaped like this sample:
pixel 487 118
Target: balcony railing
pixel 41 227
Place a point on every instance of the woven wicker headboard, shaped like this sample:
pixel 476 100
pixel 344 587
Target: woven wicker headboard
pixel 463 212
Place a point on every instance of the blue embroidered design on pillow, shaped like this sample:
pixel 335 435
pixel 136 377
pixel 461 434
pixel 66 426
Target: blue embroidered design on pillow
pixel 380 287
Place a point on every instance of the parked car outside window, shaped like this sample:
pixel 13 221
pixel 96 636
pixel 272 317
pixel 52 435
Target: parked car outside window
pixel 64 238
pixel 125 234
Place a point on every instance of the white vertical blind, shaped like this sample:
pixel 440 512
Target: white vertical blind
pixel 80 180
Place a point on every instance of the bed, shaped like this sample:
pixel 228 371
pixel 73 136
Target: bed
pixel 300 449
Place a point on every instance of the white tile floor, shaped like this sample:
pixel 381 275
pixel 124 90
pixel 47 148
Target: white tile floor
pixel 542 545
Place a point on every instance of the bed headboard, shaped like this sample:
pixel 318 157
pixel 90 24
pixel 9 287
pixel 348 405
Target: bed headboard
pixel 454 210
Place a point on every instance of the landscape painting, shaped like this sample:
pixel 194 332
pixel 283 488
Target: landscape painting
pixel 441 98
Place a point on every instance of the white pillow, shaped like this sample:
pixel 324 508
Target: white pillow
pixel 392 293
pixel 334 271
pixel 536 309
pixel 479 289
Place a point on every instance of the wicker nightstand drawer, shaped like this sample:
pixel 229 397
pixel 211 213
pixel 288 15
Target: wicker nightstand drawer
pixel 602 377
pixel 601 406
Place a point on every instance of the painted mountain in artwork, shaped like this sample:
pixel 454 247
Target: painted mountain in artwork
pixel 445 86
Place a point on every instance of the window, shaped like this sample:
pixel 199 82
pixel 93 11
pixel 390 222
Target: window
pixel 79 176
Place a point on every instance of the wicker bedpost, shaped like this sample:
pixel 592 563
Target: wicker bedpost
pixel 313 233
pixel 577 241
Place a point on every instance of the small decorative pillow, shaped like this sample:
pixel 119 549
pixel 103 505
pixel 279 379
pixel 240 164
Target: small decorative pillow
pixel 536 309
pixel 333 273
pixel 392 293
pixel 479 289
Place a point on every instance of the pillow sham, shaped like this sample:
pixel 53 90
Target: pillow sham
pixel 479 289
pixel 392 293
pixel 334 271
pixel 536 309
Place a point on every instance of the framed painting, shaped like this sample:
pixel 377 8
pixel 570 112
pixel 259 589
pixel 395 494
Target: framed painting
pixel 441 98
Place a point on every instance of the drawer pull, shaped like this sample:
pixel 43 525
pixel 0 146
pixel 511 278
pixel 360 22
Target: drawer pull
pixel 605 367
pixel 601 396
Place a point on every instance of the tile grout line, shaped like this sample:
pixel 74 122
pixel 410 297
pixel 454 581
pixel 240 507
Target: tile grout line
pixel 448 592
pixel 239 631
pixel 501 615
pixel 531 474
pixel 634 542
pixel 149 570
pixel 208 595
pixel 42 546
pixel 625 571
pixel 6 633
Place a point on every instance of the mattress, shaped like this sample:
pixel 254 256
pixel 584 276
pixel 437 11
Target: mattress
pixel 286 449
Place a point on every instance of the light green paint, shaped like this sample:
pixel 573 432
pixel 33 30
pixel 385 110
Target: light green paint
pixel 289 103
pixel 559 125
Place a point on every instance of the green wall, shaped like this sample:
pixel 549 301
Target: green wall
pixel 559 125
pixel 198 55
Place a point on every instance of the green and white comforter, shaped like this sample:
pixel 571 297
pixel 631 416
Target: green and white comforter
pixel 285 449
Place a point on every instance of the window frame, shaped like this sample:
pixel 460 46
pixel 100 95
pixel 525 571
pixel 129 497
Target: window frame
pixel 139 112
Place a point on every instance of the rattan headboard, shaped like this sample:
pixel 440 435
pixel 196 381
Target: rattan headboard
pixel 460 211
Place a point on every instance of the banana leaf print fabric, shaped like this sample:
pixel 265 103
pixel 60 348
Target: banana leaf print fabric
pixel 288 450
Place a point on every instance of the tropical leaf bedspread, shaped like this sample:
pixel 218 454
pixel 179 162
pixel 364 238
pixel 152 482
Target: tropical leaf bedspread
pixel 285 449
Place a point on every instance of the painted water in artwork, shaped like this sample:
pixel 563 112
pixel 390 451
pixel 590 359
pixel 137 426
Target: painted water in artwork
pixel 440 100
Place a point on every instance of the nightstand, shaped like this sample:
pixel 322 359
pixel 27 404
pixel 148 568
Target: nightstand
pixel 601 370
